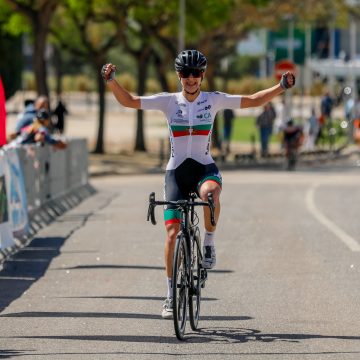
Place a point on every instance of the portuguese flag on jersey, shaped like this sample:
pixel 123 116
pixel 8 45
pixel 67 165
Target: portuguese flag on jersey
pixel 179 130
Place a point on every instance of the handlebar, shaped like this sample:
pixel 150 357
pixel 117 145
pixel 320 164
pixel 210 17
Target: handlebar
pixel 184 204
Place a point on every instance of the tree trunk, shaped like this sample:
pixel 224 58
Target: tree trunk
pixel 99 148
pixel 161 68
pixel 39 61
pixel 40 19
pixel 57 61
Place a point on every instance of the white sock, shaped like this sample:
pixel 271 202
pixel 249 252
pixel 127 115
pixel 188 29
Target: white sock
pixel 209 238
pixel 169 288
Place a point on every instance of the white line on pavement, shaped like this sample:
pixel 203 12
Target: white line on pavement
pixel 350 242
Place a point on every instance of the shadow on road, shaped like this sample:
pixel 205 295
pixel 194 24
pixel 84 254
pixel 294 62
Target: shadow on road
pixel 104 315
pixel 26 267
pixel 211 335
pixel 155 298
pixel 130 267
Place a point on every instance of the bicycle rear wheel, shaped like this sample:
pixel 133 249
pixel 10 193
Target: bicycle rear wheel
pixel 180 285
pixel 195 281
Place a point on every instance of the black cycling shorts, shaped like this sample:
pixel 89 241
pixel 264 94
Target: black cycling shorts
pixel 185 179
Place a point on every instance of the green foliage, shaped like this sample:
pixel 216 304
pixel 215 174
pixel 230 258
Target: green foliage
pixel 28 80
pixel 241 66
pixel 16 24
pixel 10 63
pixel 12 22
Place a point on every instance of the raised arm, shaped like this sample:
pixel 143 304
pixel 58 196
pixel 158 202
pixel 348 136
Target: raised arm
pixel 262 97
pixel 122 95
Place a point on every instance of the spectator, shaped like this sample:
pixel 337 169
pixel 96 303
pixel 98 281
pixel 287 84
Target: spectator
pixel 281 117
pixel 25 118
pixel 38 132
pixel 29 114
pixel 60 112
pixel 228 123
pixel 265 122
pixel 348 109
pixel 326 106
pixel 312 128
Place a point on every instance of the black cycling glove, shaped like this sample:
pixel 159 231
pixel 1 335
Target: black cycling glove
pixel 109 77
pixel 284 83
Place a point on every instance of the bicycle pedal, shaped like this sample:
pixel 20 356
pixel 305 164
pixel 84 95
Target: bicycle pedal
pixel 203 275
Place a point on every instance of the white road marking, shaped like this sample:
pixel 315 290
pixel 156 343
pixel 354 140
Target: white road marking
pixel 350 242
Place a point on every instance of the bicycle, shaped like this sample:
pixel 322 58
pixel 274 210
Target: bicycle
pixel 189 276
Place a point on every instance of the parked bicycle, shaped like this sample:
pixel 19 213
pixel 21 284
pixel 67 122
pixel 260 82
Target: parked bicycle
pixel 189 276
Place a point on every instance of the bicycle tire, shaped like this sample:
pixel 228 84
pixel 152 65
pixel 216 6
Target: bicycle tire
pixel 195 281
pixel 180 286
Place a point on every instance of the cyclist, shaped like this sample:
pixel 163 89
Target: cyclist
pixel 293 136
pixel 190 114
pixel 293 139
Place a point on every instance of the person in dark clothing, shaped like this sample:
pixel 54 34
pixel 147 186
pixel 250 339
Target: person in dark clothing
pixel 265 122
pixel 293 135
pixel 60 112
pixel 327 104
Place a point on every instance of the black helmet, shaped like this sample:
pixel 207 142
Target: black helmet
pixel 190 59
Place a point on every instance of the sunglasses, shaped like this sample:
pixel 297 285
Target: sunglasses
pixel 196 73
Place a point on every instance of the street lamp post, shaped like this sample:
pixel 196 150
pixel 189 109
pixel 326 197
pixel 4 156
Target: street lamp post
pixel 181 34
pixel 290 53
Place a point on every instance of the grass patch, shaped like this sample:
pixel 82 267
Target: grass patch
pixel 244 130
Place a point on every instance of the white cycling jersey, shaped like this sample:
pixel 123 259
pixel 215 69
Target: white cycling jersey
pixel 190 123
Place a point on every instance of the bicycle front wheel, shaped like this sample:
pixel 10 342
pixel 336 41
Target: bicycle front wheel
pixel 180 285
pixel 195 281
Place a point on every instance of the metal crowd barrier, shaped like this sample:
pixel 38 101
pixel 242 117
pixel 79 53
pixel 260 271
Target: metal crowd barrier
pixel 50 173
pixel 53 180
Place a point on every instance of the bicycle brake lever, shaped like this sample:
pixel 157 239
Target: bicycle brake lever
pixel 151 209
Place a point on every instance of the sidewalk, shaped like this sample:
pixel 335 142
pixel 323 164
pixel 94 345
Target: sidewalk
pixel 242 158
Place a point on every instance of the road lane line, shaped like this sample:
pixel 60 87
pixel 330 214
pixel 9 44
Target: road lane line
pixel 350 242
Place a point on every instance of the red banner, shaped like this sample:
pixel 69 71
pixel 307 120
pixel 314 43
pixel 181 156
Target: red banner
pixel 2 115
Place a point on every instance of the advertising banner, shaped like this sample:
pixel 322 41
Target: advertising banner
pixel 17 200
pixel 6 237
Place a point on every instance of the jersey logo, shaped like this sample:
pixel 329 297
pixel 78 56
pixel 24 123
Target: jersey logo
pixel 191 131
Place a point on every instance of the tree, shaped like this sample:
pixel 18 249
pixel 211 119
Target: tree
pixel 88 30
pixel 10 63
pixel 145 24
pixel 38 14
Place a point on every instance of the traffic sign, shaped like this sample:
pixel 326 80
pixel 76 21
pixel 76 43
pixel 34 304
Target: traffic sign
pixel 282 67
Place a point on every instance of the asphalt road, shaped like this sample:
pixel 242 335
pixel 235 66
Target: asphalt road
pixel 286 286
